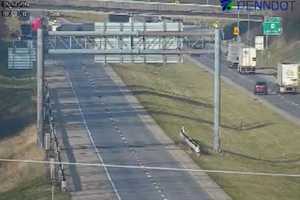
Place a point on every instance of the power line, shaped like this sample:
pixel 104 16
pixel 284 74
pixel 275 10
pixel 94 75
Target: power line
pixel 155 168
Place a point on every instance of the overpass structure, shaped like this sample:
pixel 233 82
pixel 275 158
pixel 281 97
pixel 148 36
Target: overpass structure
pixel 153 8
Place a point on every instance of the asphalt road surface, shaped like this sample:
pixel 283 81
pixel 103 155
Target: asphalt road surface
pixel 119 136
pixel 288 103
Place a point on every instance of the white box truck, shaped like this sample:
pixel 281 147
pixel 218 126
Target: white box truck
pixel 288 77
pixel 233 54
pixel 247 60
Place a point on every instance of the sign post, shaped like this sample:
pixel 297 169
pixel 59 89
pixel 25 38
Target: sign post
pixel 217 96
pixel 40 85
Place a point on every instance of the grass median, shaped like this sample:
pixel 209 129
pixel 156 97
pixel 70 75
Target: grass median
pixel 254 138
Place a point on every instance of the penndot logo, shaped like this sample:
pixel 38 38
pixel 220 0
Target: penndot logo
pixel 227 4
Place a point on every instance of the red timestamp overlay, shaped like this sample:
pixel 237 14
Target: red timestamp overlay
pixel 10 8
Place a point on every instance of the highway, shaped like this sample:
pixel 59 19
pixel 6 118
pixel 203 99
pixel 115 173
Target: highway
pixel 144 7
pixel 288 105
pixel 99 123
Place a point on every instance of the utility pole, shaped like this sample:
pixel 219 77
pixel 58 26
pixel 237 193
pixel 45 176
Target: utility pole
pixel 248 32
pixel 238 24
pixel 40 86
pixel 217 96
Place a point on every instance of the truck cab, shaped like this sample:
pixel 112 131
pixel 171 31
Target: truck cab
pixel 261 87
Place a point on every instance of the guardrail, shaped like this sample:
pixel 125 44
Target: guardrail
pixel 189 141
pixel 52 145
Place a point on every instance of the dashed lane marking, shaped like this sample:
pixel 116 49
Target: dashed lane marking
pixel 91 137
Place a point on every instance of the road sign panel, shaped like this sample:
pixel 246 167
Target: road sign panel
pixel 137 43
pixel 272 26
pixel 259 42
pixel 236 31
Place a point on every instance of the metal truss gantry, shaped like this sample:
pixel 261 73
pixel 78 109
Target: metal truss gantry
pixel 128 43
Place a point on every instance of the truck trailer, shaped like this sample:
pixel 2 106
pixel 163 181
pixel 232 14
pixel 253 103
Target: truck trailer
pixel 287 77
pixel 233 54
pixel 247 60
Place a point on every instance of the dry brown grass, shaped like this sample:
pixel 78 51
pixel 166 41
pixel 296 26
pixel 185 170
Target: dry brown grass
pixel 79 17
pixel 22 146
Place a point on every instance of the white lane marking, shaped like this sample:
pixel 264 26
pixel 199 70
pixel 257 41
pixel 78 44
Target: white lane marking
pixel 92 139
pixel 134 153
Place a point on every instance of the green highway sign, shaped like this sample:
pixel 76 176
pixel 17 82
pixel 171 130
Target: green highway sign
pixel 272 26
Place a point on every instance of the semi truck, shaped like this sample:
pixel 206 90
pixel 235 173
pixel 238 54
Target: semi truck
pixel 287 77
pixel 247 60
pixel 233 54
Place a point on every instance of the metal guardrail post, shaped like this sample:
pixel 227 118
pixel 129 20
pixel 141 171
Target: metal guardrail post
pixel 52 169
pixel 47 141
pixel 63 185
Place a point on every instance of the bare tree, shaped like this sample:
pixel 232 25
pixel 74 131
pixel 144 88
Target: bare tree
pixel 291 23
pixel 3 29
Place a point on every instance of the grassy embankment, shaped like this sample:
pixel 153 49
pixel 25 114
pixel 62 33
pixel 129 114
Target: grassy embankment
pixel 20 181
pixel 254 138
pixel 88 17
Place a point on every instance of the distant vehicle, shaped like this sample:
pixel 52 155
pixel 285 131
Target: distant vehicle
pixel 118 18
pixel 54 14
pixel 287 77
pixel 152 19
pixel 53 24
pixel 247 60
pixel 233 54
pixel 261 87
